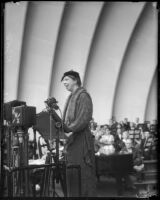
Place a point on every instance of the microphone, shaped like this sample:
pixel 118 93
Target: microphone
pixel 52 103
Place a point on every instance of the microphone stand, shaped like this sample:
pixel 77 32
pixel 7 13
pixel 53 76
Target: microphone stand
pixel 50 137
pixel 60 174
pixel 60 168
pixel 58 127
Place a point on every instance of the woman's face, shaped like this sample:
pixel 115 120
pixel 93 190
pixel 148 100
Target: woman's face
pixel 118 126
pixel 148 125
pixel 128 144
pixel 69 83
pixel 125 135
pixel 119 131
pixel 146 134
pixel 107 131
pixel 131 124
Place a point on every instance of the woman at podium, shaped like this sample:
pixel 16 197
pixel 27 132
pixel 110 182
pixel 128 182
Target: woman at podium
pixel 80 144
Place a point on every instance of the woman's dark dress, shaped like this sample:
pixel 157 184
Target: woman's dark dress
pixel 80 145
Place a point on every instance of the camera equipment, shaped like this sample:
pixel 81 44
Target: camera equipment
pixel 10 131
pixel 7 108
pixel 24 116
pixel 19 118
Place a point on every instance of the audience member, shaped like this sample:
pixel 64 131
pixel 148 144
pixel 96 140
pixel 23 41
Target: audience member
pixel 154 148
pixel 126 124
pixel 113 125
pixel 118 144
pixel 138 164
pixel 146 126
pixel 119 125
pixel 136 124
pixel 106 143
pixel 146 145
pixel 97 134
pixel 125 136
pixel 132 125
pixel 93 125
pixel 128 146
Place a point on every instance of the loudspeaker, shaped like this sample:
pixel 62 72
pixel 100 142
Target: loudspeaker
pixel 7 108
pixel 24 116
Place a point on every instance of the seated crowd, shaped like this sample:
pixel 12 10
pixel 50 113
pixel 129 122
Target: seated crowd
pixel 124 136
pixel 127 137
pixel 116 138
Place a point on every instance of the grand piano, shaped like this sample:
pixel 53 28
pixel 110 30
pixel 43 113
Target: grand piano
pixel 116 165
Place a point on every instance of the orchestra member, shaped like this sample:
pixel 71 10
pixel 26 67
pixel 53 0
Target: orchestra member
pixel 128 145
pixel 118 144
pixel 132 130
pixel 126 124
pixel 106 143
pixel 80 143
pixel 127 149
pixel 113 125
pixel 97 134
pixel 93 125
pixel 138 164
pixel 146 144
pixel 136 124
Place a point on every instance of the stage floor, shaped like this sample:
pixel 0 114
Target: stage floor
pixel 106 187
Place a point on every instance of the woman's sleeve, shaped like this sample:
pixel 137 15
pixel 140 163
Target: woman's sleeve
pixel 83 113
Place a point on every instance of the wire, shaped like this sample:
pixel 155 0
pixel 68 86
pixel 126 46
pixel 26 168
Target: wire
pixel 61 122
